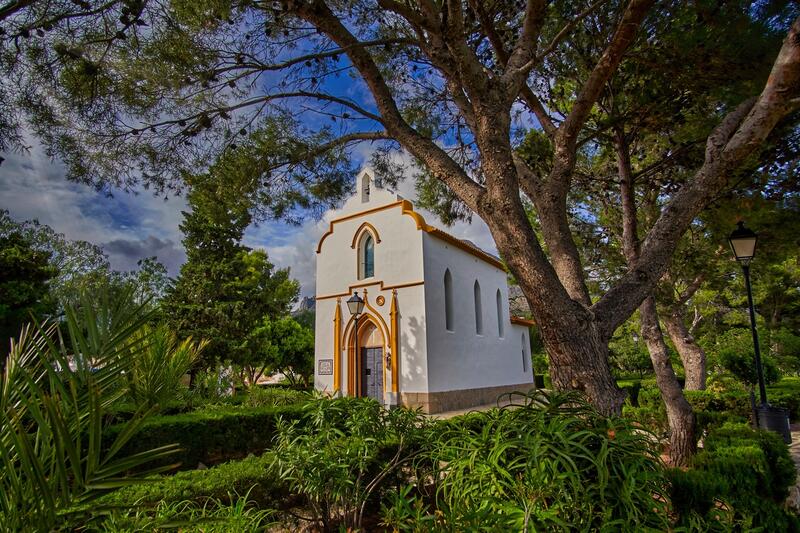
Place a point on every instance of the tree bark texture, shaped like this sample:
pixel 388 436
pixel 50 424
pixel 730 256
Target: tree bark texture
pixel 679 413
pixel 692 354
pixel 682 439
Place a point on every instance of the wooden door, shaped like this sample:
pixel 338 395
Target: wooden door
pixel 372 373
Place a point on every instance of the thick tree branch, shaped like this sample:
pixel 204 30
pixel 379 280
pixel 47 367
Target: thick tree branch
pixel 736 138
pixel 603 70
pixel 560 37
pixel 441 165
pixel 525 48
pixel 551 198
pixel 535 105
pixel 690 291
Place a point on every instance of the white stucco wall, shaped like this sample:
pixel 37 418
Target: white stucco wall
pixel 431 358
pixel 398 261
pixel 463 359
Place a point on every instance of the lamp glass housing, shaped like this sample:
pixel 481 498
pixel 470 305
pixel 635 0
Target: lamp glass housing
pixel 355 304
pixel 743 243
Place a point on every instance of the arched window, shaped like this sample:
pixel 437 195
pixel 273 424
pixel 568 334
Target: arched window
pixel 525 358
pixel 448 300
pixel 365 189
pixel 499 300
pixel 478 309
pixel 366 256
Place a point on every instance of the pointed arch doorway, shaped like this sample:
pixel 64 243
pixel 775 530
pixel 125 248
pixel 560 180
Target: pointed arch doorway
pixel 365 375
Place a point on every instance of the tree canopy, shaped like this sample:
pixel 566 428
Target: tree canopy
pixel 224 289
pixel 140 92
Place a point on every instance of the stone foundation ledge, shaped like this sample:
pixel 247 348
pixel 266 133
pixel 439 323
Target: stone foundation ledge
pixel 438 402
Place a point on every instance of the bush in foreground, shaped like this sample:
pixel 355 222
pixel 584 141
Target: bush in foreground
pixel 251 476
pixel 213 516
pixel 740 481
pixel 346 453
pixel 210 436
pixel 549 463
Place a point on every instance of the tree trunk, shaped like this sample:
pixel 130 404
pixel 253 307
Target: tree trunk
pixel 679 412
pixel 691 353
pixel 682 440
pixel 570 332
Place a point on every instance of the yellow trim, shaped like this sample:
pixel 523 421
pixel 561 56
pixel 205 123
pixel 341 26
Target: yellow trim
pixel 353 362
pixel 408 209
pixel 386 330
pixel 369 283
pixel 337 346
pixel 366 226
pixel 393 339
pixel 522 321
pixel 354 215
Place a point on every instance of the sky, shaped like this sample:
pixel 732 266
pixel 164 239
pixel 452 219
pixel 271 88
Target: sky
pixel 132 226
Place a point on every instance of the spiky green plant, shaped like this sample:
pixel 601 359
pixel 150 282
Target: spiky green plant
pixel 54 390
pixel 547 462
pixel 156 373
pixel 346 451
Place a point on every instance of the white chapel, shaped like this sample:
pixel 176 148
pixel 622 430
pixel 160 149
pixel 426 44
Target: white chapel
pixel 435 331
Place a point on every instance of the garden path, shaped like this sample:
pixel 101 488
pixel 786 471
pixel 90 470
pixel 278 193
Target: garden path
pixel 794 449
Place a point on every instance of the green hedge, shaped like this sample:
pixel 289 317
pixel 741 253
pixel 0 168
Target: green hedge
pixel 209 436
pixel 222 482
pixel 748 470
pixel 712 408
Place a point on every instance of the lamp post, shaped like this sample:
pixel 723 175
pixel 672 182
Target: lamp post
pixel 743 244
pixel 356 305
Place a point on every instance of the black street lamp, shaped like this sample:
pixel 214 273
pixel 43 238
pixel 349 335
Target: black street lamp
pixel 743 244
pixel 356 305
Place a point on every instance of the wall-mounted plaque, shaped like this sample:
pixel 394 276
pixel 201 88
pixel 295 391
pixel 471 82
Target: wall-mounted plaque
pixel 325 367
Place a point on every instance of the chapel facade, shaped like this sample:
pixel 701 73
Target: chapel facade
pixel 435 331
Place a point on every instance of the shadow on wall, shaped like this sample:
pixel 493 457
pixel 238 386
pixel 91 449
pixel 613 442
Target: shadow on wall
pixel 412 336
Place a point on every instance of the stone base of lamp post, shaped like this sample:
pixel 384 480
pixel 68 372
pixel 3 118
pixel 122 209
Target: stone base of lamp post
pixel 774 419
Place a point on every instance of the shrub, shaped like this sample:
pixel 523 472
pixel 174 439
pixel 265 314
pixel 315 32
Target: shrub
pixel 210 436
pixel 212 517
pixel 650 411
pixel 155 377
pixel 749 471
pixel 548 463
pixel 251 476
pixel 274 396
pixel 769 459
pixel 632 387
pixel 694 490
pixel 786 393
pixel 349 450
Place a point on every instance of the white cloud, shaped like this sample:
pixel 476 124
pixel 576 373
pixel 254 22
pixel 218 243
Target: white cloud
pixel 128 226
